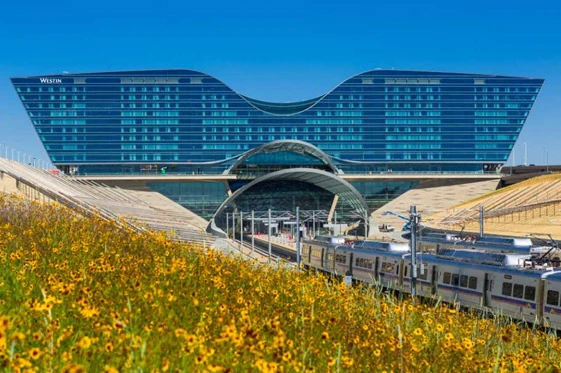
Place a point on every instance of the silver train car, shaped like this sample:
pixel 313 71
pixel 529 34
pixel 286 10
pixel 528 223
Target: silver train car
pixel 507 283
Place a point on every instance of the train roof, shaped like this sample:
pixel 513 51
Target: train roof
pixel 502 244
pixel 467 266
pixel 383 246
pixel 515 241
pixel 333 240
pixel 482 257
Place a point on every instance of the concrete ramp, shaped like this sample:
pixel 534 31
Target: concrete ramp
pixel 432 196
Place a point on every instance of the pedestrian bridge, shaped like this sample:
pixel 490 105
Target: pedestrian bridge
pixel 136 178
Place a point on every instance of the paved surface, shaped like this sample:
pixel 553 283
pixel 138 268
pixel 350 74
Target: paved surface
pixel 431 196
pixel 533 206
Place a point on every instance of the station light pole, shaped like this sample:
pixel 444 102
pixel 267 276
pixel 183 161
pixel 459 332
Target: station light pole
pixel 269 235
pixel 481 219
pixel 252 231
pixel 298 256
pixel 414 218
pixel 241 230
pixel 234 226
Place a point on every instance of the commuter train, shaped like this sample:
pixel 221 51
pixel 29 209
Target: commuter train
pixel 512 284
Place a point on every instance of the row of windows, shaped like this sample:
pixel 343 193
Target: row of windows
pixel 282 129
pixel 364 263
pixel 174 88
pixel 519 291
pixel 463 281
pixel 304 138
pixel 236 99
pixel 219 106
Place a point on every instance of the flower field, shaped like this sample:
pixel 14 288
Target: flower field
pixel 80 294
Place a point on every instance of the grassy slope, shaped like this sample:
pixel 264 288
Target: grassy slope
pixel 80 294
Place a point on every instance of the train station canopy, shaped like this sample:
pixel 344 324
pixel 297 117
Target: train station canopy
pixel 323 180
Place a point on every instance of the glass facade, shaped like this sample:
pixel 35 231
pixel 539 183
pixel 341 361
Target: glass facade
pixel 184 121
pixel 187 121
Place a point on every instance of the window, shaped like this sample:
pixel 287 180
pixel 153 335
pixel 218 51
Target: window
pixel 455 279
pixel 530 293
pixel 472 282
pixel 507 289
pixel 388 267
pixel 518 291
pixel 464 281
pixel 341 258
pixel 553 297
pixel 364 263
pixel 446 278
pixel 424 273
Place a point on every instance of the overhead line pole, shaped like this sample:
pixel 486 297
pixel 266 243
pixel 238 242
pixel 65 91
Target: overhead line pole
pixel 414 219
pixel 269 235
pixel 252 231
pixel 227 225
pixel 298 259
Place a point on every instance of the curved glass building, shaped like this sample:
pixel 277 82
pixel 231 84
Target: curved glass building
pixel 188 122
pixel 383 119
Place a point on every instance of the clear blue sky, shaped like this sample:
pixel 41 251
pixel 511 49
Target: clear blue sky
pixel 285 51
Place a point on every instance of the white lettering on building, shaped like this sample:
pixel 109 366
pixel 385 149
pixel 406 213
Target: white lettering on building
pixel 50 80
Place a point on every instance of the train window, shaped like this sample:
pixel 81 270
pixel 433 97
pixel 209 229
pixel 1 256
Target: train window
pixel 530 293
pixel 388 267
pixel 364 263
pixel 553 297
pixel 472 282
pixel 446 278
pixel 397 270
pixel 518 291
pixel 455 279
pixel 464 281
pixel 405 274
pixel 507 289
pixel 424 274
pixel 341 258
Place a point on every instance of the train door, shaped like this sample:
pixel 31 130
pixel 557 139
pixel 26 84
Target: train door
pixel 433 278
pixel 424 280
pixel 323 266
pixel 487 290
pixel 351 259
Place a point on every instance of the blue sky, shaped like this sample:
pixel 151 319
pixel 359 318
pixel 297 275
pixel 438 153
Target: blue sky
pixel 285 51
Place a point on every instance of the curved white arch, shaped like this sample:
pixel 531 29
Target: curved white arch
pixel 296 146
